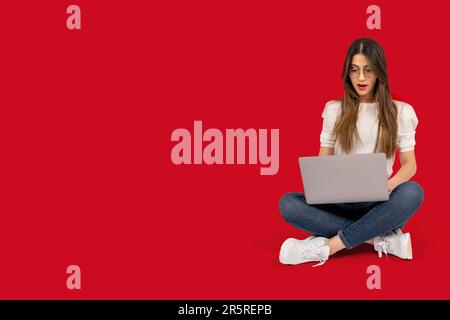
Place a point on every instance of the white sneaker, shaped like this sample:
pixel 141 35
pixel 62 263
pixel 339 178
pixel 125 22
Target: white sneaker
pixel 396 242
pixel 294 251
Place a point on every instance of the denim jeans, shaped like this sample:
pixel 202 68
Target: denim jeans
pixel 356 222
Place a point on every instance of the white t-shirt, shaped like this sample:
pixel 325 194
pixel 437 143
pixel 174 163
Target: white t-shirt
pixel 367 125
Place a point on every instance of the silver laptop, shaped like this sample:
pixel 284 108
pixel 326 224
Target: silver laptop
pixel 344 178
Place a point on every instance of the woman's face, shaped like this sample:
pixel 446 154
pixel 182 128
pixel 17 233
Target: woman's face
pixel 362 76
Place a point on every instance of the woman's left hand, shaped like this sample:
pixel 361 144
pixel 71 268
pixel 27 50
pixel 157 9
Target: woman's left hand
pixel 391 185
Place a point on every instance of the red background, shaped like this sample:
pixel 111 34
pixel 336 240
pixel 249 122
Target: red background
pixel 86 118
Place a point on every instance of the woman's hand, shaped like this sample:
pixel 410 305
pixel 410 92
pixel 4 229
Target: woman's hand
pixel 391 185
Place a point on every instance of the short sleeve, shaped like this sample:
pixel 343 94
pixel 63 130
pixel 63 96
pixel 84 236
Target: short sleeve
pixel 329 115
pixel 407 124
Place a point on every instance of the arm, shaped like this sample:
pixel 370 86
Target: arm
pixel 326 151
pixel 407 171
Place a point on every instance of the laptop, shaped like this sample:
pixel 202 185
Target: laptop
pixel 344 178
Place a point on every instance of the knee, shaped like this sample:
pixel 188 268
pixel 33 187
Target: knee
pixel 288 205
pixel 413 193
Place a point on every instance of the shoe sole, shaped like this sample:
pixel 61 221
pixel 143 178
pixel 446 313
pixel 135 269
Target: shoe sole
pixel 409 247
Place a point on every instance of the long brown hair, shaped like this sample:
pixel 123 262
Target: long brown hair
pixel 345 128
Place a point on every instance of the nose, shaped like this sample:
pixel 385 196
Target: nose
pixel 361 75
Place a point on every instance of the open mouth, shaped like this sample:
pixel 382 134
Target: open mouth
pixel 362 87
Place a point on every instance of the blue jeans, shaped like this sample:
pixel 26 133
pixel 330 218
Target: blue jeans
pixel 356 222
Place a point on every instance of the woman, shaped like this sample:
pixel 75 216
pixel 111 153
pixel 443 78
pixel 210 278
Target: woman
pixel 365 120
